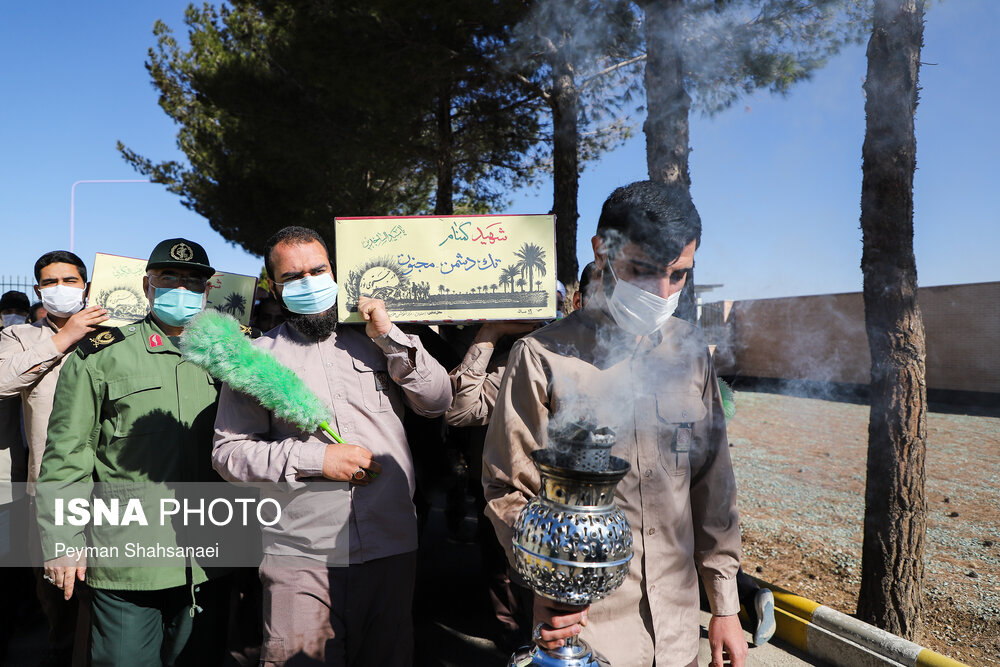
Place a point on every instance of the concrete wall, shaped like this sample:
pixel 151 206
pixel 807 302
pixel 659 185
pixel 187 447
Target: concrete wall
pixel 822 338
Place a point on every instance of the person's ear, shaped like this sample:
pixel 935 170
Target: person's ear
pixel 38 292
pixel 600 254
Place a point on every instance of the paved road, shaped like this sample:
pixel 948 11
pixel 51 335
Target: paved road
pixel 772 654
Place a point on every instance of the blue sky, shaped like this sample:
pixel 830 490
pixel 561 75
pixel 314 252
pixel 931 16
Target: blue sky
pixel 777 180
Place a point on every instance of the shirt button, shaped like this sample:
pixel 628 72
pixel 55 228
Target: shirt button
pixel 651 531
pixel 329 363
pixel 649 473
pixel 652 588
pixel 340 395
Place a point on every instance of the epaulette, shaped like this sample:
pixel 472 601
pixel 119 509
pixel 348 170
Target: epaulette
pixel 250 332
pixel 99 341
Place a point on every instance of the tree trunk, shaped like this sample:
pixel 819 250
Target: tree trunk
pixel 892 568
pixel 668 105
pixel 443 203
pixel 667 101
pixel 565 103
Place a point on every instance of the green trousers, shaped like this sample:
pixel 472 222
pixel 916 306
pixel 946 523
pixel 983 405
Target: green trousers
pixel 156 628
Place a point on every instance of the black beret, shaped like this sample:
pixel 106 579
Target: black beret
pixel 179 254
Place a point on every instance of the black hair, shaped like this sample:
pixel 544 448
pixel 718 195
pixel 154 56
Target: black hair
pixel 59 257
pixel 33 312
pixel 294 235
pixel 585 277
pixel 659 218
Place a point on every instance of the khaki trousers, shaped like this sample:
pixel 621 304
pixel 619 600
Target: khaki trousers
pixel 338 616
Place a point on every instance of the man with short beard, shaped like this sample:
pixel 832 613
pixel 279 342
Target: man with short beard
pixel 359 614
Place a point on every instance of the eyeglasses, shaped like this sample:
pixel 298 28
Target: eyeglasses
pixel 170 281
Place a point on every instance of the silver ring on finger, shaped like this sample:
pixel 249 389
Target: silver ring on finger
pixel 360 474
pixel 49 578
pixel 536 634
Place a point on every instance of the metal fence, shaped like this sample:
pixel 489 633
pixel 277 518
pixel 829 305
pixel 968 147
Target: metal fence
pixel 19 283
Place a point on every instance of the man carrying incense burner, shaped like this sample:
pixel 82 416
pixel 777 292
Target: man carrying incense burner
pixel 129 411
pixel 625 362
pixel 359 614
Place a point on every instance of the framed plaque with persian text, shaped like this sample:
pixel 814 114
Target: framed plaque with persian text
pixel 448 268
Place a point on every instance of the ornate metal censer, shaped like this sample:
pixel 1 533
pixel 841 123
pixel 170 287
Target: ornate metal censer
pixel 572 543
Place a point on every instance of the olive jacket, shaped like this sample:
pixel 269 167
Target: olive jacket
pixel 129 412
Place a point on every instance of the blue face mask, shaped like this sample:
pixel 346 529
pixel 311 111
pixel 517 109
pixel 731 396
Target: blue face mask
pixel 310 295
pixel 175 307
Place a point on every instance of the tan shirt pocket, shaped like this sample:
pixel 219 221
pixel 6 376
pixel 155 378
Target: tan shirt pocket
pixel 375 383
pixel 676 413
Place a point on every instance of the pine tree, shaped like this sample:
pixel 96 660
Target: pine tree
pixel 892 562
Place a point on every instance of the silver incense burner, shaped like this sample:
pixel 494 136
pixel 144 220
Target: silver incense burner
pixel 572 543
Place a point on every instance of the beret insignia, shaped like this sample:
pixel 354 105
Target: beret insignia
pixel 182 252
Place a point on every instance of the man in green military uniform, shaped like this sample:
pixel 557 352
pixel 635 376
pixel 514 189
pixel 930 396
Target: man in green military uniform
pixel 129 409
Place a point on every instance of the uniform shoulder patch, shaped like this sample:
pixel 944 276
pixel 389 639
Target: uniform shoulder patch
pixel 250 332
pixel 99 341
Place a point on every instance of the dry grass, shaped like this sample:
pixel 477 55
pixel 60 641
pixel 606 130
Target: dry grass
pixel 800 466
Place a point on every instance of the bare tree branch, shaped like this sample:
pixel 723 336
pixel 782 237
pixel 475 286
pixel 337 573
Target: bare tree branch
pixel 541 92
pixel 608 70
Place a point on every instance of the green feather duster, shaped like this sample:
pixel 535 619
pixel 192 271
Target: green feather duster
pixel 728 399
pixel 215 342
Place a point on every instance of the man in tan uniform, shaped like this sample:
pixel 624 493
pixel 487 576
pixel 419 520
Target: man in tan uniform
pixel 327 602
pixel 624 362
pixel 31 356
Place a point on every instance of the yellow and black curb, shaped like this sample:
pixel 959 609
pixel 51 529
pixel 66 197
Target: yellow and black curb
pixel 843 640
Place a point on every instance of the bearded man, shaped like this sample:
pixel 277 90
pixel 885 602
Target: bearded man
pixel 358 613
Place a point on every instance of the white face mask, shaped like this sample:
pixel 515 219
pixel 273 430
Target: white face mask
pixel 62 300
pixel 10 319
pixel 637 311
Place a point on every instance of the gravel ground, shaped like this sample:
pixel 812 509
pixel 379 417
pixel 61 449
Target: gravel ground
pixel 800 467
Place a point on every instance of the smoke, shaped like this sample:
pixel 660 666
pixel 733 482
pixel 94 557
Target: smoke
pixel 588 33
pixel 582 445
pixel 586 50
pixel 629 385
pixel 728 49
pixel 612 242
pixel 813 346
pixel 731 49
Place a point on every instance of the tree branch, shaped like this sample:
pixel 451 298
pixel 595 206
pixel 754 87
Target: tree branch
pixel 608 70
pixel 541 92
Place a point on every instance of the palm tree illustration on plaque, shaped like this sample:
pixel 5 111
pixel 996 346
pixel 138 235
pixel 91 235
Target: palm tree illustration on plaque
pixel 234 303
pixel 507 277
pixel 404 290
pixel 532 258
